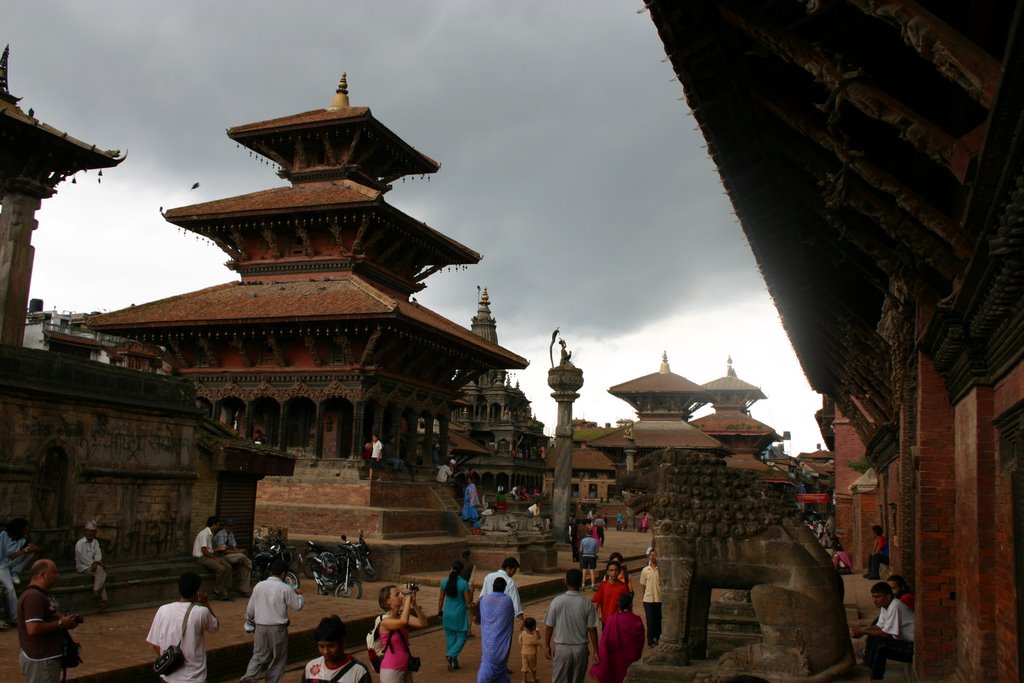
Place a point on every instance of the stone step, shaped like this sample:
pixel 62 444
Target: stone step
pixel 307 520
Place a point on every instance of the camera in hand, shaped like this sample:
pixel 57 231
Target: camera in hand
pixel 411 588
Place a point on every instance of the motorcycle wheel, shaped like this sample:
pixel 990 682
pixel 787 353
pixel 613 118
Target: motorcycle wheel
pixel 292 579
pixel 354 590
pixel 307 567
pixel 369 571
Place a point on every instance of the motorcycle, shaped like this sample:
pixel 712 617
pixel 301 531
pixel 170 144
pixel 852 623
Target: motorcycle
pixel 334 572
pixel 266 551
pixel 361 551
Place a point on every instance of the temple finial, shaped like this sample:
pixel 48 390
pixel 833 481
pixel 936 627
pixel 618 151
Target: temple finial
pixel 729 369
pixel 340 100
pixel 664 363
pixel 5 94
pixel 484 299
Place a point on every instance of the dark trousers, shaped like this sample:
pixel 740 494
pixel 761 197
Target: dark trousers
pixel 875 563
pixel 653 612
pixel 878 650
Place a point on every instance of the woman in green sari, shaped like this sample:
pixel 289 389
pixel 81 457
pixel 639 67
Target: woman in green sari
pixel 452 604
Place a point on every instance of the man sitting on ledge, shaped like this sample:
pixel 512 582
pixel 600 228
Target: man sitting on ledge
pixel 892 636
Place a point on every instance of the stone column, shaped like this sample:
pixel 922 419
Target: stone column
pixel 442 437
pixel 565 380
pixel 17 221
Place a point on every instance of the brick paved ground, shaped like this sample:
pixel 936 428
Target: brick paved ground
pixel 114 647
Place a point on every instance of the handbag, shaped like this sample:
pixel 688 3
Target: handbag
pixel 414 662
pixel 71 656
pixel 171 659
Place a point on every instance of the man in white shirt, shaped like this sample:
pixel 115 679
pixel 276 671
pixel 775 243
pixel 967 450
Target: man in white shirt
pixel 376 458
pixel 508 569
pixel 892 636
pixel 225 546
pixel 203 552
pixel 444 473
pixel 200 620
pixel 650 596
pixel 268 610
pixel 89 560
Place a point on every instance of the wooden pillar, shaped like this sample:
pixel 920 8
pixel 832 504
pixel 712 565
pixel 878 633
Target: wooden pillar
pixel 282 416
pixel 248 420
pixel 443 438
pixel 17 221
pixel 411 455
pixel 356 442
pixel 318 440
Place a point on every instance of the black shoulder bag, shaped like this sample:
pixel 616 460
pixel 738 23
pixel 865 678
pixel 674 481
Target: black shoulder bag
pixel 171 659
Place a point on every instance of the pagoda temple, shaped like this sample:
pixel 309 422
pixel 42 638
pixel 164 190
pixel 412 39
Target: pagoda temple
pixel 664 402
pixel 320 344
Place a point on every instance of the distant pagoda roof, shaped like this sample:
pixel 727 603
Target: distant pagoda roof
pixel 733 423
pixel 300 302
pixel 661 394
pixel 730 393
pixel 650 434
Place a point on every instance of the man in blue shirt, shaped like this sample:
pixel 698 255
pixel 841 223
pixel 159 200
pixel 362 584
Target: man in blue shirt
pixel 588 558
pixel 15 552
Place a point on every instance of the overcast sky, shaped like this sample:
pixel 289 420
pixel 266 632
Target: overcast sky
pixel 568 161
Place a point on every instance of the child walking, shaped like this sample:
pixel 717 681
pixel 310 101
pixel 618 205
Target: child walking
pixel 529 639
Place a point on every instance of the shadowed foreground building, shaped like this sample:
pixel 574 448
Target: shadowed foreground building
pixel 873 154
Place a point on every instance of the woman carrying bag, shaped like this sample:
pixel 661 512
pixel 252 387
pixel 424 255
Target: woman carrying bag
pixel 401 612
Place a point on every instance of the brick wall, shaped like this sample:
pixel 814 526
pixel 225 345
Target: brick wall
pixel 847 448
pixel 935 533
pixel 1008 395
pixel 975 556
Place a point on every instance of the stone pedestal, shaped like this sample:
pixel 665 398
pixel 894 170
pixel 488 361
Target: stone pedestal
pixel 565 380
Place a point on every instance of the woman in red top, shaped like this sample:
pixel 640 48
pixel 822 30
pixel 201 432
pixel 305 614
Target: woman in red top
pixel 901 590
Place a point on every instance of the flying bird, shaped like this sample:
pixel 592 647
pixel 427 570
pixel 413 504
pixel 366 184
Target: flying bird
pixel 195 185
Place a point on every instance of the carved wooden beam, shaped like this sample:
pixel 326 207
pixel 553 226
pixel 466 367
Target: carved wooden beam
pixel 344 349
pixel 314 349
pixel 952 53
pixel 175 346
pixel 239 345
pixel 208 349
pixel 239 241
pixel 348 150
pixel 395 245
pixel 271 239
pixel 913 204
pixel 424 274
pixel 364 225
pixel 274 345
pixel 307 244
pixel 329 152
pixel 271 153
pixel 844 86
pixel 371 347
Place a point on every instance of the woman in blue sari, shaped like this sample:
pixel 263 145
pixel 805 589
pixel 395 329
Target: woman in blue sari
pixel 453 601
pixel 470 500
pixel 496 619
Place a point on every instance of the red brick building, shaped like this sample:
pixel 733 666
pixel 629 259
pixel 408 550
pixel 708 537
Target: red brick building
pixel 872 153
pixel 320 343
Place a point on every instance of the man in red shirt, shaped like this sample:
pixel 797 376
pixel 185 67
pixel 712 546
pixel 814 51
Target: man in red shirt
pixel 606 597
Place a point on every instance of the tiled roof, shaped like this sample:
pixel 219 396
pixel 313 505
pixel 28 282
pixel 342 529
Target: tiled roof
pixel 732 384
pixel 731 423
pixel 323 300
pixel 583 459
pixel 463 444
pixel 89 156
pixel 306 196
pixel 300 120
pixel 667 382
pixel 660 434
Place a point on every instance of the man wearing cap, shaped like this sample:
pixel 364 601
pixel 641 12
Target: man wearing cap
pixel 89 560
pixel 224 545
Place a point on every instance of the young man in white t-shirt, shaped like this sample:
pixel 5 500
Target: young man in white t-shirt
pixel 167 629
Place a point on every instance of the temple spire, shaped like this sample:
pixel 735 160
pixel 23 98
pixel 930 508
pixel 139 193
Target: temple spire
pixel 664 363
pixel 729 372
pixel 340 100
pixel 484 326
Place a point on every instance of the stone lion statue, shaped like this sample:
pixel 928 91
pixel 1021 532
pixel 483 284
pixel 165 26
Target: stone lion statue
pixel 721 527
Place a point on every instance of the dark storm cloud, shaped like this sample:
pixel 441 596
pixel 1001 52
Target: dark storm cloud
pixel 567 158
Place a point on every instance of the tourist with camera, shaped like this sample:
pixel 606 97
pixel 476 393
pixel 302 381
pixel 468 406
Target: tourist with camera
pixel 400 612
pixel 41 628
